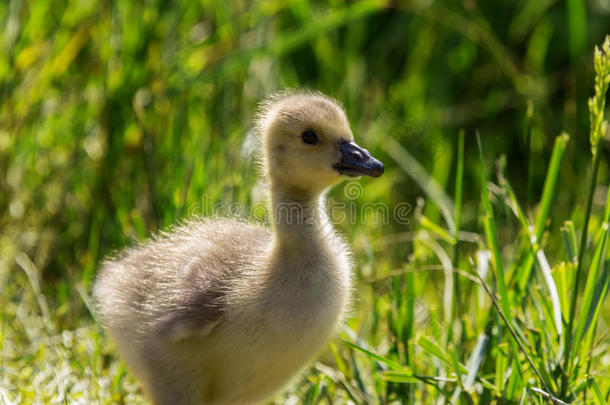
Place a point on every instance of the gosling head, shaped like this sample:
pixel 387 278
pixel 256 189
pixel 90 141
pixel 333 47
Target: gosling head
pixel 308 144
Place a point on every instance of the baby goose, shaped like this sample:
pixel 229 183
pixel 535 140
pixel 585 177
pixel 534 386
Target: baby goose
pixel 225 312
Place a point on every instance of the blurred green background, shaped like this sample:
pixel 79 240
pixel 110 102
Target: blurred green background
pixel 118 117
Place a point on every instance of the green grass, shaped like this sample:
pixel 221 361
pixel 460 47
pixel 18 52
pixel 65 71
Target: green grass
pixel 118 119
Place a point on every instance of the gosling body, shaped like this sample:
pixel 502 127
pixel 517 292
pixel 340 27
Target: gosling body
pixel 224 311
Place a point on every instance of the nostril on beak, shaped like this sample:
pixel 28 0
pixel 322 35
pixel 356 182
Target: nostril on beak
pixel 357 155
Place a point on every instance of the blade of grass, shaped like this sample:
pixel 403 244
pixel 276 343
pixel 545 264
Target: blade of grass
pixel 425 223
pixel 576 13
pixel 394 365
pixel 599 396
pixel 459 181
pixel 399 377
pixel 548 192
pixel 314 393
pixel 545 268
pixel 409 315
pixel 569 238
pixel 601 294
pixel 530 156
pixel 548 396
pixel 587 304
pixel 413 168
pixel 501 366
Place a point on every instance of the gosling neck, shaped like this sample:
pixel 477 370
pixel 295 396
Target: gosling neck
pixel 298 217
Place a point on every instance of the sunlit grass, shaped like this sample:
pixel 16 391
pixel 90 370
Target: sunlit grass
pixel 118 119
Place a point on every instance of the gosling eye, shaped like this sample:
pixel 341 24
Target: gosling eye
pixel 310 137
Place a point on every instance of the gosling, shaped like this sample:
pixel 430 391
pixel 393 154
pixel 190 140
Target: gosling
pixel 226 312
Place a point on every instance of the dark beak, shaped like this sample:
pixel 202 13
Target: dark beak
pixel 356 161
